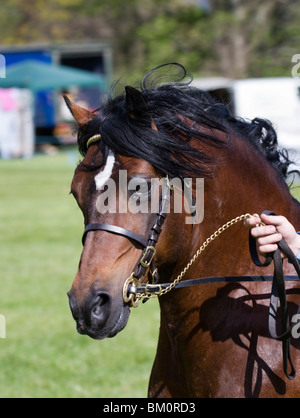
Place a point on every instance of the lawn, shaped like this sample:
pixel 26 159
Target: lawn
pixel 42 354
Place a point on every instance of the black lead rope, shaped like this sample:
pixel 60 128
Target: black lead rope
pixel 278 294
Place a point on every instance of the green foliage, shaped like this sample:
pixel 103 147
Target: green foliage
pixel 249 38
pixel 175 37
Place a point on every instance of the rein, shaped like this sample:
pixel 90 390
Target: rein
pixel 134 291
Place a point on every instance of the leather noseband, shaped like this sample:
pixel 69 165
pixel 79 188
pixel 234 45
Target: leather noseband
pixel 118 230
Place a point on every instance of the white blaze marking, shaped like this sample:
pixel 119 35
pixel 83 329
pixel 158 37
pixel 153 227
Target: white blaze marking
pixel 102 177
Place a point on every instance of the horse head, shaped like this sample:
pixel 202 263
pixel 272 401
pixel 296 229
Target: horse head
pixel 115 193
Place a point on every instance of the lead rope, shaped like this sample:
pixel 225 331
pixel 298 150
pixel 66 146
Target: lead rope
pixel 210 239
pixel 131 295
pixel 134 298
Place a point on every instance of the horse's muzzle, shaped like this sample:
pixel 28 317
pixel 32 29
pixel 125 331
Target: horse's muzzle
pixel 95 317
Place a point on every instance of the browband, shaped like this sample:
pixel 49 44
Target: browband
pixel 94 138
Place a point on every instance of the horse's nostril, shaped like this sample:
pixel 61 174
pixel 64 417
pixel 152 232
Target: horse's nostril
pixel 96 310
pixel 101 309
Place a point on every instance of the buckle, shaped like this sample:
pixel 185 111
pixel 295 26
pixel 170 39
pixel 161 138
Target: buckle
pixel 130 291
pixel 144 262
pixel 153 289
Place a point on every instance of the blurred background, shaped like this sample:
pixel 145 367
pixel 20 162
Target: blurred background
pixel 245 52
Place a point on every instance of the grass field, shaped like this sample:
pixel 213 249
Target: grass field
pixel 42 354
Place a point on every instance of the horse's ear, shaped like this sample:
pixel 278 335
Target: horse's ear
pixel 81 115
pixel 135 103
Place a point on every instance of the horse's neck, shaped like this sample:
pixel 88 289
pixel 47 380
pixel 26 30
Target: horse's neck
pixel 246 182
pixel 242 182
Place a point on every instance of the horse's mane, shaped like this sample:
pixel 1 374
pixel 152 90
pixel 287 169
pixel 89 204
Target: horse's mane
pixel 169 106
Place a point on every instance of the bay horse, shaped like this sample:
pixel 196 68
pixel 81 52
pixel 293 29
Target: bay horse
pixel 213 339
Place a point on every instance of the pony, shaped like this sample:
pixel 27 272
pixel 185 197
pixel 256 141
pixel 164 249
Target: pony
pixel 213 339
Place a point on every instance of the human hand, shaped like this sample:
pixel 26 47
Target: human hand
pixel 274 229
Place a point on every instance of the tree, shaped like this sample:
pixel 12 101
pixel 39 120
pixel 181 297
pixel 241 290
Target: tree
pixel 232 38
pixel 254 38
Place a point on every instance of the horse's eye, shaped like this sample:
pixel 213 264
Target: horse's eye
pixel 139 189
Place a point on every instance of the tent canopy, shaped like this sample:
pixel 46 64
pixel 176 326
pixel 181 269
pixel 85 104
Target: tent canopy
pixel 36 76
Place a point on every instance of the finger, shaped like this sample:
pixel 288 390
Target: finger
pixel 264 249
pixel 273 220
pixel 262 231
pixel 269 239
pixel 251 222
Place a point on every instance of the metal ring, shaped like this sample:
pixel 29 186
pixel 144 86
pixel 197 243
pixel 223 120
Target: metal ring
pixel 132 298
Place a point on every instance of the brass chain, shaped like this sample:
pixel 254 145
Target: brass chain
pixel 210 239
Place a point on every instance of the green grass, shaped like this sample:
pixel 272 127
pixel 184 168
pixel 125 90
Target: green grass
pixel 42 355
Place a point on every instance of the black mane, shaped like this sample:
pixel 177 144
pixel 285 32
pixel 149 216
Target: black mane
pixel 170 106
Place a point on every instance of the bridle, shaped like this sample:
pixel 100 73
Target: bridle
pixel 146 264
pixel 134 291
